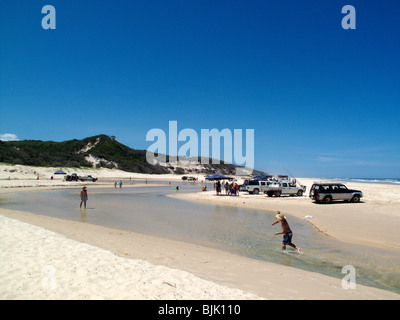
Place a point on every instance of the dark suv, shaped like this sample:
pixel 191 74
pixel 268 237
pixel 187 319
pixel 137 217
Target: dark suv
pixel 328 192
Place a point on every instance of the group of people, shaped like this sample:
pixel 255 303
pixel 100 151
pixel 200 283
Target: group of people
pixel 230 188
pixel 118 183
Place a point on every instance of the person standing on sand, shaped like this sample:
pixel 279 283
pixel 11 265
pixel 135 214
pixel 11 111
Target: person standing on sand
pixel 84 197
pixel 236 188
pixel 287 232
pixel 218 190
pixel 227 188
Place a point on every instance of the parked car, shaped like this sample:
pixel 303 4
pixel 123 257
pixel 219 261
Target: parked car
pixel 88 178
pixel 328 192
pixel 255 186
pixel 273 188
pixel 291 189
pixel 72 177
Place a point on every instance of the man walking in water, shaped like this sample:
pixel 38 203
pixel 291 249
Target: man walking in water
pixel 84 197
pixel 286 231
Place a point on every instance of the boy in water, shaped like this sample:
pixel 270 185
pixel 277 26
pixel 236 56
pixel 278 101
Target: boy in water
pixel 84 196
pixel 287 232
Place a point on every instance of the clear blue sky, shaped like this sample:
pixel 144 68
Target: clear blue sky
pixel 323 101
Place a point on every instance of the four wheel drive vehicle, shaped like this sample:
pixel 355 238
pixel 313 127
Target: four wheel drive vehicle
pixel 328 192
pixel 72 177
pixel 88 178
pixel 274 188
pixel 255 186
pixel 290 189
pixel 189 178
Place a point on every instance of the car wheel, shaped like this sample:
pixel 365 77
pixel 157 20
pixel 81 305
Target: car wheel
pixel 299 193
pixel 277 194
pixel 355 199
pixel 327 200
pixel 256 191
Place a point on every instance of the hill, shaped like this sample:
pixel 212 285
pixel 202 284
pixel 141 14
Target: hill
pixel 97 151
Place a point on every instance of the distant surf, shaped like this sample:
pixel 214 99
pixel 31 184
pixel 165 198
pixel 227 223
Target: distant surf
pixel 395 181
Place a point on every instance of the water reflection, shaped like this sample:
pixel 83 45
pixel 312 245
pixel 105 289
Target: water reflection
pixel 82 216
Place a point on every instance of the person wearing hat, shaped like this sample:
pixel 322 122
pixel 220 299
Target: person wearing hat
pixel 286 231
pixel 84 197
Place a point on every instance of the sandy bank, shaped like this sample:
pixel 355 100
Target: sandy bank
pixel 40 264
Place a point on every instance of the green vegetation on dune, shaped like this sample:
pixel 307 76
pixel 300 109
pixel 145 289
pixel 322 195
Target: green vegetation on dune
pixel 74 153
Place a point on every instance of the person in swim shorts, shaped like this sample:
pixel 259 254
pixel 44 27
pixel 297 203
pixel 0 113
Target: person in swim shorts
pixel 84 197
pixel 286 231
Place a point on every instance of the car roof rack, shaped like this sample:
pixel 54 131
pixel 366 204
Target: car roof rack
pixel 327 182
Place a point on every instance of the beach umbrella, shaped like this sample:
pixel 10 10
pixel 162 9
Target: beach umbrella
pixel 259 176
pixel 218 176
pixel 59 172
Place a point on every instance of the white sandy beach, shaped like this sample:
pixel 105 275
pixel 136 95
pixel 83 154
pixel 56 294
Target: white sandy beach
pixel 40 264
pixel 49 258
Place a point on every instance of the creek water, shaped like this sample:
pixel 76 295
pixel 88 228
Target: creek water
pixel 246 232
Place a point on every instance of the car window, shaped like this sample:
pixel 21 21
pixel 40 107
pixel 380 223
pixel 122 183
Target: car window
pixel 335 188
pixel 284 185
pixel 325 188
pixel 343 187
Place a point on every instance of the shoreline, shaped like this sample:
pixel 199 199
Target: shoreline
pixel 248 278
pixel 255 278
pixel 75 260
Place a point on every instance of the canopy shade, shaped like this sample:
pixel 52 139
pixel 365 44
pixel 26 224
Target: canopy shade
pixel 218 177
pixel 260 175
pixel 59 172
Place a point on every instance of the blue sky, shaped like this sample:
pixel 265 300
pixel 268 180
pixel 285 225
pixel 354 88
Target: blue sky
pixel 323 101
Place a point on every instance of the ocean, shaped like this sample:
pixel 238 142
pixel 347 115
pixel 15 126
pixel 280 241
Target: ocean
pixel 394 181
